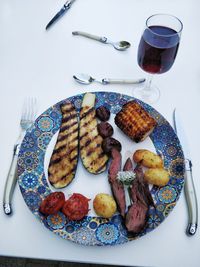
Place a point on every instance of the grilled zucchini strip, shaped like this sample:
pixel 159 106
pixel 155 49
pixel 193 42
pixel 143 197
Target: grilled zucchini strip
pixel 92 155
pixel 64 160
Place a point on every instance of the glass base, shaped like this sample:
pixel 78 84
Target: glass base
pixel 148 95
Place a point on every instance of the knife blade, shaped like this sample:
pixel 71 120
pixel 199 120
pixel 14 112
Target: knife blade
pixel 62 11
pixel 189 187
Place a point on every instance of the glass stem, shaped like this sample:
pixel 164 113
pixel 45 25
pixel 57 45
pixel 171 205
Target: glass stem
pixel 147 86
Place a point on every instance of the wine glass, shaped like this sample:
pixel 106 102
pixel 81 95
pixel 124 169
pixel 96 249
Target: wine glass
pixel 157 51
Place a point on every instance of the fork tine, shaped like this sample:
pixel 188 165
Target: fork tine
pixel 29 109
pixel 34 108
pixel 24 109
pixel 29 113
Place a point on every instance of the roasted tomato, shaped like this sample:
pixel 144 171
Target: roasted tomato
pixel 76 207
pixel 52 203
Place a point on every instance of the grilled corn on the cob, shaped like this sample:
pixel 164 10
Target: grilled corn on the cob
pixel 135 121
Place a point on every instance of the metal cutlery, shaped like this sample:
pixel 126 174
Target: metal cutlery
pixel 87 79
pixel 121 45
pixel 27 118
pixel 190 193
pixel 62 11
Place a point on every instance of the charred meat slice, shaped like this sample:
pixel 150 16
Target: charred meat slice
pixel 135 121
pixel 115 165
pixel 109 143
pixel 137 192
pixel 63 162
pixel 128 166
pixel 143 186
pixel 136 216
pixel 105 129
pixel 102 113
pixel 116 186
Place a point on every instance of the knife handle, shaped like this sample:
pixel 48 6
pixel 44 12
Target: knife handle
pixel 191 199
pixel 122 81
pixel 10 183
pixel 90 36
pixel 67 4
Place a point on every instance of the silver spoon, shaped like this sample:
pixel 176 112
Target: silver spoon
pixel 87 79
pixel 121 45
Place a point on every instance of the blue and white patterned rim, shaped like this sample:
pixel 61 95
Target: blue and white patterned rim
pixel 95 230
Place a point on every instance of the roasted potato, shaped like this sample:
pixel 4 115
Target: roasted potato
pixel 147 158
pixel 104 205
pixel 156 176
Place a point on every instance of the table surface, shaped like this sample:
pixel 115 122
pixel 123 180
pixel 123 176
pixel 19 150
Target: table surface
pixel 34 62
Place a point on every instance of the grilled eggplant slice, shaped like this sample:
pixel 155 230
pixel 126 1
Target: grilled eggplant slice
pixel 64 159
pixel 92 155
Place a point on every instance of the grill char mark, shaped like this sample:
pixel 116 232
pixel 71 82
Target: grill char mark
pixel 86 133
pixel 88 142
pixel 85 114
pixel 65 176
pixel 64 128
pixel 68 118
pixel 59 159
pixel 63 137
pixel 64 146
pixel 135 121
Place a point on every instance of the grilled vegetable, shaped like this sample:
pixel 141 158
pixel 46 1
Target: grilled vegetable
pixel 92 155
pixel 52 203
pixel 64 159
pixel 135 121
pixel 76 207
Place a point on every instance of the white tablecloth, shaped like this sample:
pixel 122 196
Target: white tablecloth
pixel 34 62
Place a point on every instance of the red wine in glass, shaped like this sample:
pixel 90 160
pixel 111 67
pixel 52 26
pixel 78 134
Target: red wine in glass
pixel 157 49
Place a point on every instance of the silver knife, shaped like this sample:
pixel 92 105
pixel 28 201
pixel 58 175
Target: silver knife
pixel 190 193
pixel 66 6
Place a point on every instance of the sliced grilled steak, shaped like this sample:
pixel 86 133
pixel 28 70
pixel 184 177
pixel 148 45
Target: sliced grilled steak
pixel 128 166
pixel 143 186
pixel 136 216
pixel 137 192
pixel 116 186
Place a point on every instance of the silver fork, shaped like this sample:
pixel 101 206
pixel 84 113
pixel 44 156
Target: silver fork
pixel 27 118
